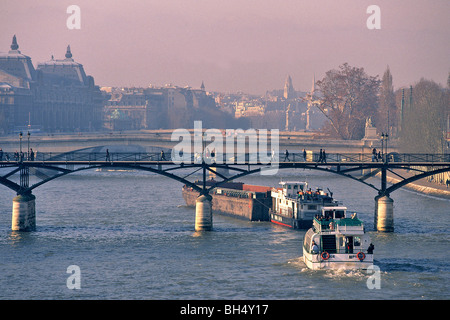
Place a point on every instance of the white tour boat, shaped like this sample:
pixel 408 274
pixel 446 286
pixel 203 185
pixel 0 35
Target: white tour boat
pixel 295 205
pixel 336 241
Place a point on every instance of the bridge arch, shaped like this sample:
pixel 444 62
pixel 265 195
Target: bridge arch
pixel 63 172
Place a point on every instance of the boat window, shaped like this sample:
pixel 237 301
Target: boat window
pixel 307 242
pixel 356 241
pixel 341 242
pixel 289 186
pixel 295 187
pixel 339 214
pixel 312 207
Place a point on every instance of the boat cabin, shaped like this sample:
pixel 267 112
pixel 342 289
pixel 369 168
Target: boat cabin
pixel 335 232
pixel 336 219
pixel 292 188
pixel 333 213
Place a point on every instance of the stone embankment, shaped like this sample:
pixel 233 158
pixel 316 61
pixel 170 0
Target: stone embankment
pixel 423 186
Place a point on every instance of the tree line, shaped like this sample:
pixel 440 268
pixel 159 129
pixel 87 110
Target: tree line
pixel 417 116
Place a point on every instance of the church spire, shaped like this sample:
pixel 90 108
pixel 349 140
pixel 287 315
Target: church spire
pixel 68 53
pixel 14 45
pixel 288 88
pixel 313 87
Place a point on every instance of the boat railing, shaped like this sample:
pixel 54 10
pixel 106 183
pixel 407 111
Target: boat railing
pixel 322 225
pixel 340 250
pixel 330 225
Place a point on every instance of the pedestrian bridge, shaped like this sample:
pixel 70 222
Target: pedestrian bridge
pixel 15 171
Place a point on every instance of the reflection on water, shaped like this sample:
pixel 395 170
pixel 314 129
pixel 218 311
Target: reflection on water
pixel 15 237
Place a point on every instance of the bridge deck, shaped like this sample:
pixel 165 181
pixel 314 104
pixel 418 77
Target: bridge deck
pixel 366 164
pixel 234 159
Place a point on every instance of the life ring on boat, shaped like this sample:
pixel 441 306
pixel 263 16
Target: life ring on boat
pixel 361 256
pixel 325 255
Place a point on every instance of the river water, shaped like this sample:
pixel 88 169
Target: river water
pixel 132 238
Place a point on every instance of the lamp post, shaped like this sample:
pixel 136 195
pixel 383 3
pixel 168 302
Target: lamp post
pixel 28 152
pixel 384 137
pixel 20 142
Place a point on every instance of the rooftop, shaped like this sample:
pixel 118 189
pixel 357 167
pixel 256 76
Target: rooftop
pixel 16 63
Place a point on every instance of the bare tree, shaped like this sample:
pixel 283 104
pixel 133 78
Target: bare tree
pixel 349 97
pixel 425 119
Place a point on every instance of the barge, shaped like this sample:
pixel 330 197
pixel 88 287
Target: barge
pixel 235 199
pixel 293 205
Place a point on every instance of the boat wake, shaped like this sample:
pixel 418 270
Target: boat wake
pixel 343 273
pixel 339 273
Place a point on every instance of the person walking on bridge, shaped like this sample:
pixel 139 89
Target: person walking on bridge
pixel 374 155
pixel 286 155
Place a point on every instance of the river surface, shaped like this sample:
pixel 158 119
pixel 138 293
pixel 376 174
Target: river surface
pixel 132 237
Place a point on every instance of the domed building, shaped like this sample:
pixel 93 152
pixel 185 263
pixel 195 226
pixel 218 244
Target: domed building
pixel 67 99
pixel 57 96
pixel 17 77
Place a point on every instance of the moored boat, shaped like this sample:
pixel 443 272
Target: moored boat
pixel 337 241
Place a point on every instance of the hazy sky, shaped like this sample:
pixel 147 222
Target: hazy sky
pixel 231 45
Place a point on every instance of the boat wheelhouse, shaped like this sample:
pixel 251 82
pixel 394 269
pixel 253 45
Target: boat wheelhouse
pixel 337 241
pixel 294 205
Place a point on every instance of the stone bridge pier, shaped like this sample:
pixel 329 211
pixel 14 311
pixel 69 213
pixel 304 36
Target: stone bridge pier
pixel 384 214
pixel 384 207
pixel 24 213
pixel 203 213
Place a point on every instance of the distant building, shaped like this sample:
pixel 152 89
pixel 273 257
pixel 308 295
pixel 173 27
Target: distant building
pixel 168 107
pixel 314 117
pixel 283 109
pixel 248 109
pixel 57 96
pixel 289 92
pixel 17 85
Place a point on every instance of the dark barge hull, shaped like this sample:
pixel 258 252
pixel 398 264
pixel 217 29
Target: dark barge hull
pixel 236 200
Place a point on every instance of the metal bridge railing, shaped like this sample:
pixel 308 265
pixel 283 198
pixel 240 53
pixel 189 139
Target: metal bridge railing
pixel 226 159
